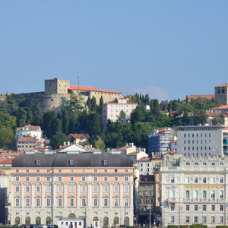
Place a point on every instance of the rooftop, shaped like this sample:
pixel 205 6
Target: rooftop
pixel 27 139
pixel 29 128
pixel 87 88
pixel 222 85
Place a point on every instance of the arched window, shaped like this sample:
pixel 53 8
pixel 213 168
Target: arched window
pixel 105 222
pixel 17 220
pixel 48 220
pixel 187 194
pixel 126 221
pixel 27 220
pixel 116 221
pixel 71 215
pixel 38 221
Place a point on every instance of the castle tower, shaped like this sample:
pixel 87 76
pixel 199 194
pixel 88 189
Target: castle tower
pixel 221 94
pixel 57 86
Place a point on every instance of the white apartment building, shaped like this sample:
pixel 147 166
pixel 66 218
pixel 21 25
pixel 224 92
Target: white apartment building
pixel 29 130
pixel 194 191
pixel 112 110
pixel 202 141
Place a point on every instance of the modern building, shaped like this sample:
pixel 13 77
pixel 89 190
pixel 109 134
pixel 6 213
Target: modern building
pixel 202 141
pixel 221 94
pixel 50 187
pixel 112 110
pixel 193 191
pixel 159 142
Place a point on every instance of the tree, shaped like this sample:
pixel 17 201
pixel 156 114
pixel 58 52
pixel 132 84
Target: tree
pixel 122 116
pixel 7 138
pixel 57 140
pixel 99 143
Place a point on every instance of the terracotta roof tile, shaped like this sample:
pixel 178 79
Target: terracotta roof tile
pixel 27 139
pixel 6 161
pixel 222 85
pixel 220 107
pixel 86 88
pixel 29 128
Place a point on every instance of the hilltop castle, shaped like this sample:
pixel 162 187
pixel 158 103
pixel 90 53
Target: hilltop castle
pixel 58 90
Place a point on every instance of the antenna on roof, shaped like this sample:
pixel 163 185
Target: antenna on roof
pixel 78 81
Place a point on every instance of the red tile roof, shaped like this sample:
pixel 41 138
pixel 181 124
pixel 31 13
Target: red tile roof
pixel 6 161
pixel 222 85
pixel 144 159
pixel 5 155
pixel 29 128
pixel 80 136
pixel 220 107
pixel 86 88
pixel 27 139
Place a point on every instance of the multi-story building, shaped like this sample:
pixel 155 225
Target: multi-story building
pixel 29 143
pixel 159 142
pixel 202 141
pixel 112 110
pixel 29 131
pixel 221 94
pixel 49 187
pixel 193 191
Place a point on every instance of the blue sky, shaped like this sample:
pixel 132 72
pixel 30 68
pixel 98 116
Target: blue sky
pixel 167 48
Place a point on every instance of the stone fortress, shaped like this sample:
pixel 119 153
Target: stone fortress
pixel 58 91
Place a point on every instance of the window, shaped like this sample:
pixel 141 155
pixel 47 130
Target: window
pixel 37 178
pixel 83 170
pixel 71 188
pixel 71 178
pixel 172 194
pixel 17 170
pixel 17 188
pixel 37 170
pixel 83 202
pixel 213 180
pixel 221 180
pixel 172 206
pixel 126 170
pixel 27 170
pixel 116 202
pixel 172 180
pixel 60 170
pixel 195 219
pixel 17 202
pixel 204 194
pixel 95 202
pixel 196 194
pixel 116 188
pixel 204 219
pixel 60 188
pixel 212 207
pixel 196 180
pixel 48 188
pixel 83 188
pixel 195 207
pixel 221 194
pixel 116 178
pixel 95 170
pixel 71 202
pixel 27 178
pixel 27 189
pixel 105 188
pixel 126 202
pixel 60 202
pixel 48 202
pixel 59 178
pixel 187 180
pixel 187 219
pixel 204 207
pixel 126 178
pixel 95 178
pixel 187 194
pixel 126 188
pixel 105 202
pixel 187 208
pixel 17 178
pixel 221 219
pixel 172 219
pixel 83 178
pixel 105 178
pixel 212 194
pixel 38 202
pixel 95 188
pixel 48 178
pixel 37 188
pixel 27 202
pixel 204 180
pixel 221 207
pixel 212 219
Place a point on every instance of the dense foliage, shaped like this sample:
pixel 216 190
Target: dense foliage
pixel 74 118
